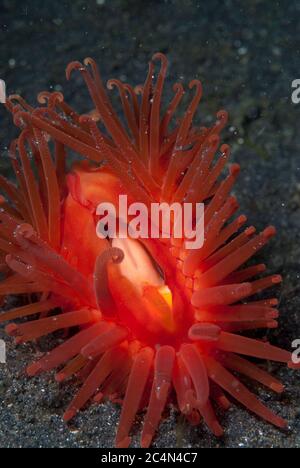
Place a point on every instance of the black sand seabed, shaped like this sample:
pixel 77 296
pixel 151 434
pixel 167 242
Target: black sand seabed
pixel 246 53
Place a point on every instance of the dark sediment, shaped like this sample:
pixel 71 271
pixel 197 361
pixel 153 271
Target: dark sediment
pixel 246 54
